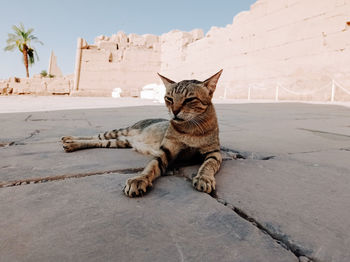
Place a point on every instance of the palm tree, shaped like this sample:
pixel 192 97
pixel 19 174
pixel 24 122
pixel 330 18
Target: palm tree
pixel 23 39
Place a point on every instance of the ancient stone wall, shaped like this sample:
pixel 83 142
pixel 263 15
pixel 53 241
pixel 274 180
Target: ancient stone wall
pixel 121 61
pixel 54 83
pixel 296 48
pixel 279 49
pixel 37 85
pixel 285 49
pixel 128 62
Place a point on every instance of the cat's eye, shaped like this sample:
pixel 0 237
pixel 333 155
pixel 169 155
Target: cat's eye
pixel 187 100
pixel 168 99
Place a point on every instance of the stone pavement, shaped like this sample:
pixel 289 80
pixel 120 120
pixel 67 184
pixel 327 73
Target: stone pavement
pixel 286 199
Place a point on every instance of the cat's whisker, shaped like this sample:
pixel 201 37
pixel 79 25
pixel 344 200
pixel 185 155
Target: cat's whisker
pixel 198 125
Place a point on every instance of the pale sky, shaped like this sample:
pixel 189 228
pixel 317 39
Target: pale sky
pixel 58 24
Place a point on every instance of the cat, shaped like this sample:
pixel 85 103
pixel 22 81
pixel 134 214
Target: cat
pixel 192 130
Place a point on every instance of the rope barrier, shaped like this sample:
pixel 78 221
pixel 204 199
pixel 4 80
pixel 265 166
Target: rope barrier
pixel 332 85
pixel 305 93
pixel 341 87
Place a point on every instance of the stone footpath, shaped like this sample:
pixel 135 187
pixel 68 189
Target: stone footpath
pixel 286 198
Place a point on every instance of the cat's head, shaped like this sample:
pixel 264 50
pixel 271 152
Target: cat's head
pixel 189 98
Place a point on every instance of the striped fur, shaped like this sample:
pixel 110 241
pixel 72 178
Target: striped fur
pixel 193 128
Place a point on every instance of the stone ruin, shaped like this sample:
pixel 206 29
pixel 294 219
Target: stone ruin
pixel 52 84
pixel 53 69
pixel 125 61
pixel 279 49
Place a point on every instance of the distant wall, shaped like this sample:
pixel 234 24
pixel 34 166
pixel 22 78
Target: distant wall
pixel 280 49
pixel 285 49
pixel 121 61
pixel 37 85
pixel 297 46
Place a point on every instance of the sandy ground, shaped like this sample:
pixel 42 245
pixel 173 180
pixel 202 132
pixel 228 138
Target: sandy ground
pixel 17 104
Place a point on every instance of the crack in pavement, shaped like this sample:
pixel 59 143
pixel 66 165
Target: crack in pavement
pixel 283 240
pixel 280 238
pixel 228 154
pixel 234 154
pixel 20 141
pixel 325 134
pixel 320 151
pixel 66 176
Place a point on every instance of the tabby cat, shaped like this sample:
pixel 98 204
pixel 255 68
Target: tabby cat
pixel 192 130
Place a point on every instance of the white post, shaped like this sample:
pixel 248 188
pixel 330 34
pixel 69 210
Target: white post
pixel 333 91
pixel 277 91
pixel 249 93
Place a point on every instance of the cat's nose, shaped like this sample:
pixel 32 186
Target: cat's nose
pixel 175 112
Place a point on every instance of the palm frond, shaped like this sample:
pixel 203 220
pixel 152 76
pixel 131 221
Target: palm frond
pixel 11 41
pixel 11 36
pixel 29 32
pixel 21 27
pixel 39 42
pixel 34 39
pixel 36 55
pixel 10 47
pixel 17 30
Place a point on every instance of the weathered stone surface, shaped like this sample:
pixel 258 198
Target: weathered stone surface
pixel 262 53
pixel 299 197
pixel 89 219
pixel 301 203
pixel 35 148
pixel 283 128
pixel 302 194
pixel 38 85
pixel 53 67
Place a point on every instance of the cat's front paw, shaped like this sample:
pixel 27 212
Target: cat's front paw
pixel 65 138
pixel 136 186
pixel 70 145
pixel 204 183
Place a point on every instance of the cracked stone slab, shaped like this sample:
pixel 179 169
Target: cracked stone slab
pixel 89 219
pixel 30 145
pixel 283 128
pixel 300 195
pixel 332 159
pixel 305 205
pixel 36 160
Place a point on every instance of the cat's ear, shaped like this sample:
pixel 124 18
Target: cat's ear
pixel 211 82
pixel 166 81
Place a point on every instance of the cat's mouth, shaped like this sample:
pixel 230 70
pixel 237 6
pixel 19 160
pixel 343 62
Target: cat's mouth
pixel 178 119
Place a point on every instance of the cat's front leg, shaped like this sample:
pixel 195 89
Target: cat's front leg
pixel 204 181
pixel 139 185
